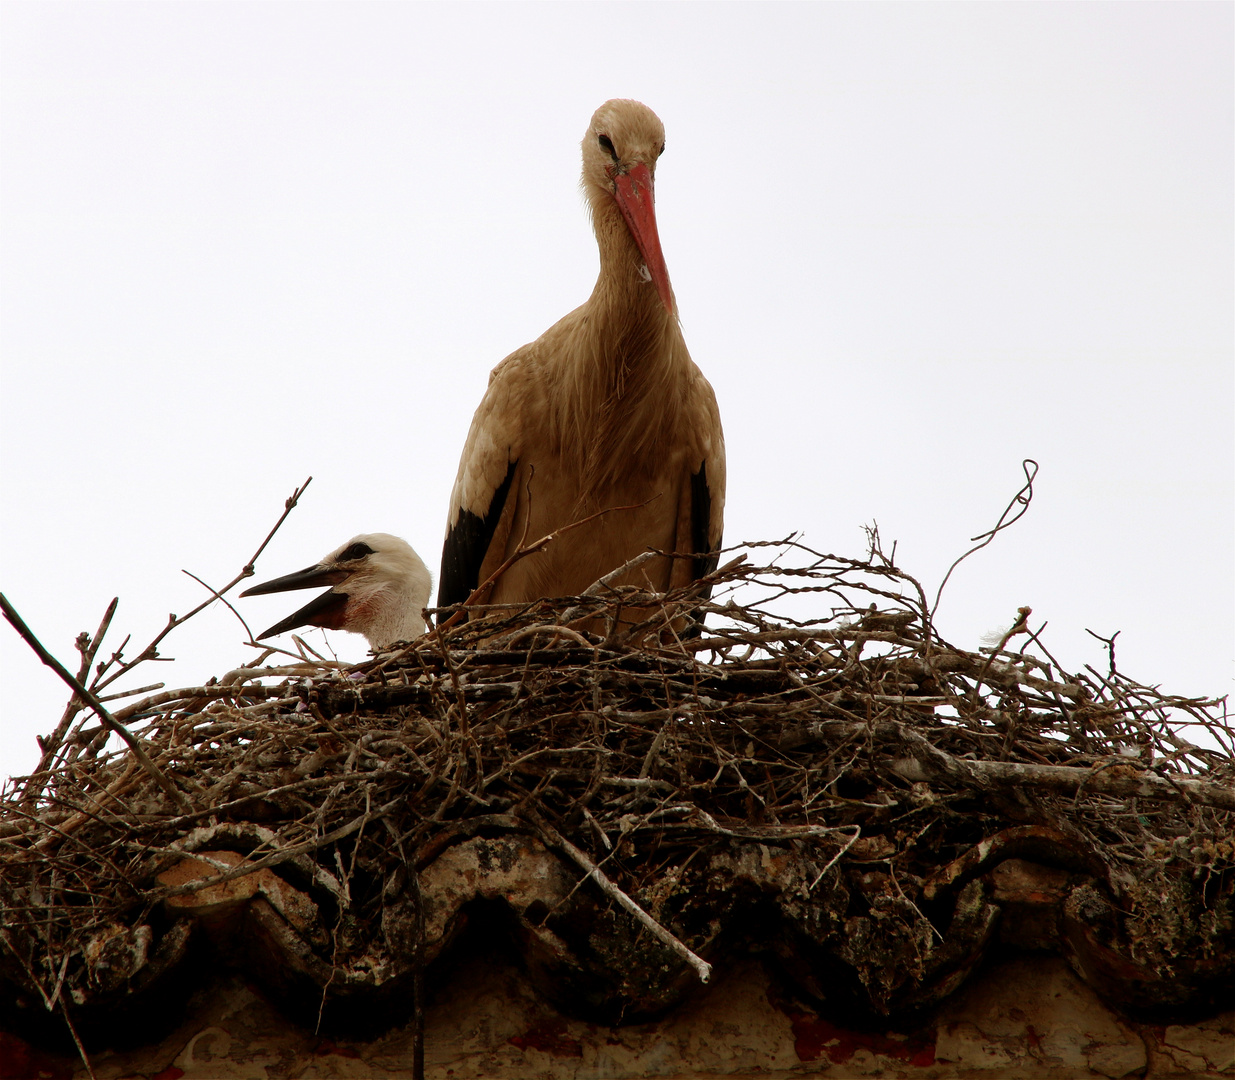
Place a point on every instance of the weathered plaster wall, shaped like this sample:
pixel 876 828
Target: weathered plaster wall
pixel 1022 1017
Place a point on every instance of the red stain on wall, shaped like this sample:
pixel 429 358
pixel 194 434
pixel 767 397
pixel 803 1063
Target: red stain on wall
pixel 550 1038
pixel 324 1047
pixel 1035 1040
pixel 813 1036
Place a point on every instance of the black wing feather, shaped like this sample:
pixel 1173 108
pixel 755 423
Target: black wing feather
pixel 706 556
pixel 466 545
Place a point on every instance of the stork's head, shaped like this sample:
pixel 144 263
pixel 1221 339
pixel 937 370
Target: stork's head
pixel 620 150
pixel 379 586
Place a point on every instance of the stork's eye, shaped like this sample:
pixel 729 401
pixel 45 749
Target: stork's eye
pixel 358 550
pixel 606 143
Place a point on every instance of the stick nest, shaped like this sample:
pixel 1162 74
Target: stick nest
pixel 857 739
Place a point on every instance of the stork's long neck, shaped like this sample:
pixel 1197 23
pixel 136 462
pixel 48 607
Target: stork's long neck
pixel 630 351
pixel 624 297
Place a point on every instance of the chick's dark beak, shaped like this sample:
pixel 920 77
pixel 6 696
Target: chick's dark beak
pixel 327 610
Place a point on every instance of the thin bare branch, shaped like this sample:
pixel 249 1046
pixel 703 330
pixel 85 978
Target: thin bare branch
pixel 16 621
pixel 1016 508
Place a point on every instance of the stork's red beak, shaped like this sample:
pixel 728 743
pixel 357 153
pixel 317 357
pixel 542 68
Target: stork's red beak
pixel 326 610
pixel 633 191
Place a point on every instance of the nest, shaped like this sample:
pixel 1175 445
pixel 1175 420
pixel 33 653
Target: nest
pixel 863 771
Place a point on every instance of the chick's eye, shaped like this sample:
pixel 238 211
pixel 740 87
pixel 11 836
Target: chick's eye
pixel 357 550
pixel 606 144
pixel 661 150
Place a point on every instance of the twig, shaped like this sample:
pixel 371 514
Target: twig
pixel 1110 646
pixel 228 603
pixel 89 648
pixel 857 832
pixel 1020 626
pixel 150 652
pixel 555 839
pixel 603 584
pixel 1021 499
pixel 87 696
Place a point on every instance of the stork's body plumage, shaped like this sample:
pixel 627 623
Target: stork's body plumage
pixel 604 410
pixel 379 588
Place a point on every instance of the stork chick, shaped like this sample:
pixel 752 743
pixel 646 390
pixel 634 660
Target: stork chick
pixel 379 588
pixel 606 409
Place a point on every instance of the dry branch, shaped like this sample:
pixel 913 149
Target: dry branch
pixel 555 839
pixel 89 698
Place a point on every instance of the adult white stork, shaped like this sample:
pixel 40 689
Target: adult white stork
pixel 603 410
pixel 379 588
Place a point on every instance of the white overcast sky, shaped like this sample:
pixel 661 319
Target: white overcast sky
pixel 911 244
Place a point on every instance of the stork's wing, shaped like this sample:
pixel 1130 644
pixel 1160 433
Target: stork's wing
pixel 706 490
pixel 487 469
pixel 703 543
pixel 467 544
